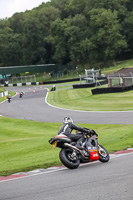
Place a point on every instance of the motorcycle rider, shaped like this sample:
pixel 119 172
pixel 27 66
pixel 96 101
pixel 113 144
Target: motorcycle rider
pixel 21 94
pixel 9 98
pixel 68 126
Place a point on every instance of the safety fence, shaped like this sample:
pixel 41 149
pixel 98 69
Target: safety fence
pixel 100 81
pixel 22 79
pixel 38 83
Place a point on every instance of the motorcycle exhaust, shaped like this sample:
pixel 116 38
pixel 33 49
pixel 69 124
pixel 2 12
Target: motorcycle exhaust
pixel 76 149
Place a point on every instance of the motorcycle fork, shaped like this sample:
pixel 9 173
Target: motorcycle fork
pixel 101 151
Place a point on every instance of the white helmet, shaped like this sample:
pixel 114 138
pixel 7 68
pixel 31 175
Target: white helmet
pixel 67 120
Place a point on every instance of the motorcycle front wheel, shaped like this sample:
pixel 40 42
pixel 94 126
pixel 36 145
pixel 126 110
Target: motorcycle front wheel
pixel 103 154
pixel 67 158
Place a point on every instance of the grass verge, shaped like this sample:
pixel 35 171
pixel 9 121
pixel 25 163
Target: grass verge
pixel 82 99
pixel 24 144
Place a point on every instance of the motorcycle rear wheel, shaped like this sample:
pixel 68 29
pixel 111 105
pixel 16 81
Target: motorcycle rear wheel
pixel 65 157
pixel 103 154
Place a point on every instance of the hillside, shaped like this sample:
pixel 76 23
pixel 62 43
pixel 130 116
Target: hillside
pixel 69 32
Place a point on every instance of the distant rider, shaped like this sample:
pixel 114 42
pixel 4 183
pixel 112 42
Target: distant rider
pixel 9 98
pixel 68 126
pixel 21 94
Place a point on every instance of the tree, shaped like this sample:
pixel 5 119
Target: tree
pixel 10 46
pixel 75 7
pixel 76 31
pixel 68 31
pixel 47 15
pixel 106 34
pixel 16 22
pixel 33 43
pixel 59 41
pixel 62 6
pixel 128 31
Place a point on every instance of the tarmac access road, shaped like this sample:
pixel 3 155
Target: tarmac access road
pixel 32 106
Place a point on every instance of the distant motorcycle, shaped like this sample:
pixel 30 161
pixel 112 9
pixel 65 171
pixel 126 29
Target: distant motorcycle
pixel 53 88
pixel 71 156
pixel 21 94
pixel 9 99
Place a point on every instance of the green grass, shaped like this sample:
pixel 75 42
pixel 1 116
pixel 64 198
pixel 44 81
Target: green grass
pixel 2 89
pixel 24 144
pixel 82 99
pixel 119 65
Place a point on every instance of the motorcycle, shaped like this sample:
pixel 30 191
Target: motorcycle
pixel 21 94
pixel 71 156
pixel 9 99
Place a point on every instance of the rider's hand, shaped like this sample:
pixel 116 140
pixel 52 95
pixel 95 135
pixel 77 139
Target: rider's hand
pixel 92 132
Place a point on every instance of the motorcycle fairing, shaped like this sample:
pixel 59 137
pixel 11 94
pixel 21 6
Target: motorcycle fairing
pixel 92 147
pixel 94 155
pixel 62 138
pixel 59 140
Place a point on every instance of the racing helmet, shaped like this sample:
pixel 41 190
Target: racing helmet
pixel 67 120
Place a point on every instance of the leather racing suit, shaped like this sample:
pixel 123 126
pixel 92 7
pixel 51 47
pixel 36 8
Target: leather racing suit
pixel 67 128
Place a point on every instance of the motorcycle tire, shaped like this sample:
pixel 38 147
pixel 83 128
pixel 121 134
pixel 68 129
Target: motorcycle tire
pixel 103 154
pixel 65 157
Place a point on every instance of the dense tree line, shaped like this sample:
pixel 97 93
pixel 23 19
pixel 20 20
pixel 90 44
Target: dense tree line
pixel 69 31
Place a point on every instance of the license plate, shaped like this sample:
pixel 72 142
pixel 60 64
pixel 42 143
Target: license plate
pixel 54 144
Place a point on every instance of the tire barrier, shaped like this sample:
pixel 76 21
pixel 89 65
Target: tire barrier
pixel 111 90
pixel 85 85
pixel 40 83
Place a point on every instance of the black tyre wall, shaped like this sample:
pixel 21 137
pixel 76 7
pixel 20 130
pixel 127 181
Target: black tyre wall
pixel 63 155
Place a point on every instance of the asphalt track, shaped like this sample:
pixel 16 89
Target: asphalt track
pixel 33 106
pixel 109 181
pixel 106 181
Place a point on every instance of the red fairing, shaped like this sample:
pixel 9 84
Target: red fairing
pixel 94 156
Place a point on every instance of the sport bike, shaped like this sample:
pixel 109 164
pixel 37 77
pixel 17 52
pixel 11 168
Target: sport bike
pixel 71 156
pixel 9 99
pixel 21 94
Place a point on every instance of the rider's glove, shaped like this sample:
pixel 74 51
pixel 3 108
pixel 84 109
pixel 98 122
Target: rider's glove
pixel 92 132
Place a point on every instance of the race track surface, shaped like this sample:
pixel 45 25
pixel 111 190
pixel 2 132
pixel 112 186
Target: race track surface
pixel 32 106
pixel 99 181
